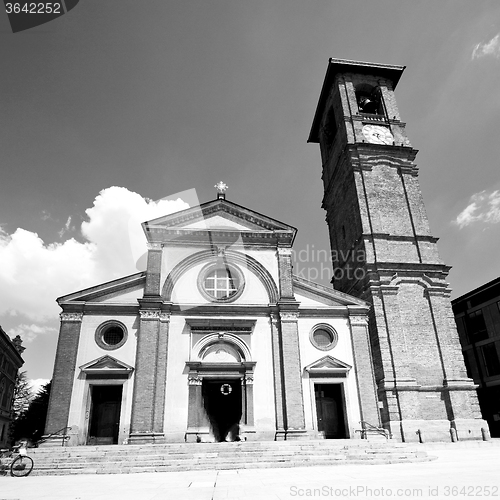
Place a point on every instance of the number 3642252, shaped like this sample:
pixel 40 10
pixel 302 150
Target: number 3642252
pixel 33 8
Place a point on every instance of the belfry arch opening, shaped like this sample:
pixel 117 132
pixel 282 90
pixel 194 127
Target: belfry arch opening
pixel 369 99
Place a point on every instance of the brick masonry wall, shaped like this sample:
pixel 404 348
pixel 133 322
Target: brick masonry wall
pixel 64 372
pixel 143 403
pixel 374 205
pixel 153 272
pixel 294 405
pixel 365 376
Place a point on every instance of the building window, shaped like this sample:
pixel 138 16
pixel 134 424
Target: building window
pixel 476 327
pixel 369 100
pixel 490 357
pixel 111 335
pixel 6 396
pixel 221 283
pixel 2 390
pixel 323 337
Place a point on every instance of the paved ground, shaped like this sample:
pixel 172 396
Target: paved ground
pixel 458 472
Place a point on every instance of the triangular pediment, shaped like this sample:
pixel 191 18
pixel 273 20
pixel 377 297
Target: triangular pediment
pixel 123 290
pixel 106 365
pixel 328 365
pixel 322 295
pixel 218 219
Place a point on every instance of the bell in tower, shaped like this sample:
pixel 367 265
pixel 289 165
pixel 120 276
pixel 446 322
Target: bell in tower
pixel 383 252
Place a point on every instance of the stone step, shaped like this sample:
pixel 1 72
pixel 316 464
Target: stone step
pixel 203 456
pixel 120 468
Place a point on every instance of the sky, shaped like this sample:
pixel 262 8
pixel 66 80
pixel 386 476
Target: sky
pixel 121 111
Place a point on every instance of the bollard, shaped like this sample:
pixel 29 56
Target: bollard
pixel 454 435
pixel 420 436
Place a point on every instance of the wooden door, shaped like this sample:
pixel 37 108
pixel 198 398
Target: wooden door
pixel 330 410
pixel 105 414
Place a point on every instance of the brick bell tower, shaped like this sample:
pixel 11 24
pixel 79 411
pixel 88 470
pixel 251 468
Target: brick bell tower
pixel 383 252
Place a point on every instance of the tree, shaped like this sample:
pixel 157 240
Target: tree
pixel 23 394
pixel 31 423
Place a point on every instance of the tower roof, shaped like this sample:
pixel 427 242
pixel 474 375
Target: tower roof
pixel 335 66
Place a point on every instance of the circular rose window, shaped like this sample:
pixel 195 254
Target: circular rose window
pixel 111 335
pixel 323 337
pixel 221 283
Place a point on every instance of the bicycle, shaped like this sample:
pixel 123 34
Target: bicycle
pixel 16 460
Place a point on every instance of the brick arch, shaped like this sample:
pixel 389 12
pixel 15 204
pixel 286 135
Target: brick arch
pixel 231 257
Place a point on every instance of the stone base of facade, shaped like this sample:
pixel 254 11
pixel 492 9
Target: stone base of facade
pixel 423 431
pixel 247 433
pixel 471 429
pixel 296 434
pixel 146 438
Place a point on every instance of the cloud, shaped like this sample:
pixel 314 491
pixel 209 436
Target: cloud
pixel 29 332
pixel 66 228
pixel 491 48
pixel 482 207
pixel 45 215
pixel 34 273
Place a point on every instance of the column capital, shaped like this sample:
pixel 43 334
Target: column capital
pixel 284 251
pixel 164 317
pixel 149 314
pixel 75 317
pixel 194 380
pixel 358 320
pixel 154 245
pixel 289 315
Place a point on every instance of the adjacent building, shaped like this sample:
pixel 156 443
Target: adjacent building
pixel 477 315
pixel 10 362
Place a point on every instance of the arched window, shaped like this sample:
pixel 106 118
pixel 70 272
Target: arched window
pixel 324 337
pixel 369 99
pixel 111 335
pixel 2 390
pixel 7 395
pixel 222 283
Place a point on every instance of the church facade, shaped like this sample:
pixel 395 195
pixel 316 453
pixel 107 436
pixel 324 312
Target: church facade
pixel 219 340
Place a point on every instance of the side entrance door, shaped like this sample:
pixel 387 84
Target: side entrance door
pixel 330 410
pixel 104 426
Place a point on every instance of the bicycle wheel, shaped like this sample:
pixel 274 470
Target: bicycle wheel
pixel 21 466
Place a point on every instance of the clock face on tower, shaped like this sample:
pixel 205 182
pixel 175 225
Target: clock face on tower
pixel 376 134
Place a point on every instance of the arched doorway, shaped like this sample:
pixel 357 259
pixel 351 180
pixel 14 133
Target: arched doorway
pixel 220 390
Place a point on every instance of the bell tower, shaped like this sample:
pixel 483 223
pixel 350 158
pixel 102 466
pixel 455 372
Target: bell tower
pixel 383 252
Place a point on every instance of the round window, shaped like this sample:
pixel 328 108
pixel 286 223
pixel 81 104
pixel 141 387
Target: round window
pixel 111 335
pixel 222 283
pixel 324 337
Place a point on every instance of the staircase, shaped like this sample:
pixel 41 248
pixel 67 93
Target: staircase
pixel 201 456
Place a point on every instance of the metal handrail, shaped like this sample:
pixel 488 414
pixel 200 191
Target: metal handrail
pixel 369 427
pixel 62 432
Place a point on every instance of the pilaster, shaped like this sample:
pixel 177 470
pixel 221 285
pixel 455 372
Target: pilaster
pixel 153 270
pixel 278 377
pixel 285 273
pixel 147 407
pixel 364 372
pixel 292 377
pixel 64 371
